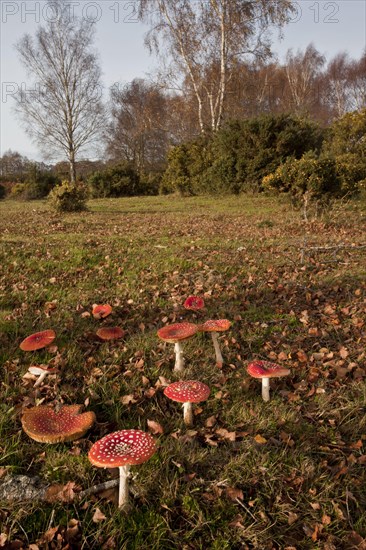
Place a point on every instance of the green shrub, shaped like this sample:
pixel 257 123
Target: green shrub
pixel 352 171
pixel 117 181
pixel 68 197
pixel 310 177
pixel 177 176
pixel 150 183
pixel 347 135
pixel 237 157
pixel 38 183
pixel 17 190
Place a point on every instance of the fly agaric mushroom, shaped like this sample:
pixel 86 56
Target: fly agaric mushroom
pixel 110 333
pixel 101 311
pixel 46 425
pixel 121 450
pixel 187 392
pixel 41 371
pixel 38 340
pixel 266 370
pixel 174 334
pixel 214 327
pixel 194 303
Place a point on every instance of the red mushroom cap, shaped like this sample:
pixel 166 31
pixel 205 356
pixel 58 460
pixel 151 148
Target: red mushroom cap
pixel 38 340
pixel 101 311
pixel 126 447
pixel 178 331
pixel 187 391
pixel 45 425
pixel 217 325
pixel 266 369
pixel 194 302
pixel 110 333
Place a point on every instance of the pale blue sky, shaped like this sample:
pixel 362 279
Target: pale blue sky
pixel 331 26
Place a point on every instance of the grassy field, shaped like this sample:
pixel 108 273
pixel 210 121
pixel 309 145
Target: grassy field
pixel 288 474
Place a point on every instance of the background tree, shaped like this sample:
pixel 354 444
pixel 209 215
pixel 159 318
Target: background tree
pixel 63 112
pixel 137 132
pixel 206 39
pixel 303 70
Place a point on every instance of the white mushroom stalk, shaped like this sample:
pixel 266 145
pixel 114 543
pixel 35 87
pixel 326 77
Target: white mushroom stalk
pixel 179 359
pixel 265 389
pixel 188 414
pixel 123 494
pixel 215 340
pixel 214 326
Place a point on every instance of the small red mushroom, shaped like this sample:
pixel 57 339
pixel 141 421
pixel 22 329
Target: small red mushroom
pixel 46 425
pixel 215 326
pixel 194 303
pixel 41 371
pixel 38 340
pixel 110 333
pixel 266 370
pixel 187 392
pixel 102 310
pixel 121 450
pixel 174 334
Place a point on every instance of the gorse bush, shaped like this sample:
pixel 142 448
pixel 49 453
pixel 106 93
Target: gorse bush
pixel 237 157
pixel 117 181
pixel 352 172
pixel 310 178
pixel 122 181
pixel 38 183
pixel 68 197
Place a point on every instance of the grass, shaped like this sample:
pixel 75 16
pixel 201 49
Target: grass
pixel 301 484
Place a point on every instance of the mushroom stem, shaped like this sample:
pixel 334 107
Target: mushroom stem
pixel 265 389
pixel 179 360
pixel 123 487
pixel 40 379
pixel 188 414
pixel 219 359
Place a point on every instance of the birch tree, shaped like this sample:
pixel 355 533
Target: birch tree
pixel 205 39
pixel 61 107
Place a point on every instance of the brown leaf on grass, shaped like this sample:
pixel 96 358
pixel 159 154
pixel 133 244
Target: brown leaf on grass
pixel 98 516
pixel 127 399
pixel 354 541
pixel 302 357
pixel 73 528
pixel 292 517
pixel 233 493
pixel 210 421
pixel 225 434
pixel 48 535
pixel 260 439
pixel 3 539
pixel 155 427
pixel 61 493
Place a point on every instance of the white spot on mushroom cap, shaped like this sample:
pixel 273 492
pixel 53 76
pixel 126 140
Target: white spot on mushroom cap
pixel 122 448
pixel 187 391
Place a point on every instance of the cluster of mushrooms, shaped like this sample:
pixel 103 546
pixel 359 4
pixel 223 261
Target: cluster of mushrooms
pixel 126 448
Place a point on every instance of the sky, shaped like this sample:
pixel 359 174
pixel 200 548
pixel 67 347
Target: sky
pixel 331 26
